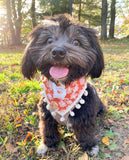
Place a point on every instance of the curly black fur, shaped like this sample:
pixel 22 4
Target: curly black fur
pixel 86 59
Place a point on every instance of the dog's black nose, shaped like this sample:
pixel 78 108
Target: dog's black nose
pixel 58 53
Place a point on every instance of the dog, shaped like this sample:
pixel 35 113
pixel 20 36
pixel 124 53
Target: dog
pixel 66 54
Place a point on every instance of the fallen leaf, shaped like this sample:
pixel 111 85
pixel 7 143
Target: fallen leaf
pixel 109 81
pixel 18 120
pixel 126 141
pixel 105 140
pixel 25 112
pixel 83 157
pixel 28 137
pixel 22 84
pixel 110 121
pixel 18 125
pixel 15 64
pixel 121 81
pixel 125 158
pixel 32 151
pixel 127 122
pixel 120 109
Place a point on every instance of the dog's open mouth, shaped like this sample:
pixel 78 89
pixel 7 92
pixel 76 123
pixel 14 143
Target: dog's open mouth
pixel 58 72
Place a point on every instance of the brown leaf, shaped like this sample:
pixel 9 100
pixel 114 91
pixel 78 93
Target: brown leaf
pixel 121 81
pixel 110 121
pixel 18 120
pixel 83 157
pixel 126 141
pixel 127 122
pixel 120 108
pixel 28 137
pixel 125 158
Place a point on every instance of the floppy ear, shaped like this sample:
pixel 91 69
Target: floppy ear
pixel 28 68
pixel 99 63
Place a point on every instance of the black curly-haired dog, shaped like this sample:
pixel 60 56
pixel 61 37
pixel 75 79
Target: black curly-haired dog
pixel 66 54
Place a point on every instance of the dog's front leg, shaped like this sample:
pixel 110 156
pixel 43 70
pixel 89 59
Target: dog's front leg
pixel 84 135
pixel 48 130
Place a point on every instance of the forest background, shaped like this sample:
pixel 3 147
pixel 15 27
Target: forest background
pixel 17 17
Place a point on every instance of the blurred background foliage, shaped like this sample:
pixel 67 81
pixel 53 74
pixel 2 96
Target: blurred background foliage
pixel 17 17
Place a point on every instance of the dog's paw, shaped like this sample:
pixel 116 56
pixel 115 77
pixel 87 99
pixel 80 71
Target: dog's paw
pixel 42 149
pixel 94 151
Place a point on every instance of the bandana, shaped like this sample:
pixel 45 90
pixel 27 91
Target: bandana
pixel 62 99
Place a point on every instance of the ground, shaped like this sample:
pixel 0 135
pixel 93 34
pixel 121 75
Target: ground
pixel 19 133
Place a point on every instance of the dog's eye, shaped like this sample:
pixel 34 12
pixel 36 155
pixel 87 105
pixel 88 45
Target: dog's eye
pixel 50 40
pixel 76 43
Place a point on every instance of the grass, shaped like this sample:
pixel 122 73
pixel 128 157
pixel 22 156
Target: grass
pixel 19 133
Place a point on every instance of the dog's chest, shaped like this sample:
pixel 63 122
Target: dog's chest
pixel 62 99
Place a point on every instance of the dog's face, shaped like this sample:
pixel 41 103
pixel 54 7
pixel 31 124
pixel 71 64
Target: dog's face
pixel 63 52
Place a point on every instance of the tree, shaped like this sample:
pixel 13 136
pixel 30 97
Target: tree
pixel 104 20
pixel 79 12
pixel 54 7
pixel 14 17
pixel 33 16
pixel 88 12
pixel 112 22
pixel 70 7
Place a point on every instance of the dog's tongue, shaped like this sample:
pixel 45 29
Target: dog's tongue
pixel 58 72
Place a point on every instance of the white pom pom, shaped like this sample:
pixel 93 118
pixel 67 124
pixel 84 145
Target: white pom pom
pixel 72 113
pixel 41 85
pixel 82 101
pixel 53 113
pixel 85 93
pixel 48 107
pixel 42 93
pixel 62 119
pixel 78 106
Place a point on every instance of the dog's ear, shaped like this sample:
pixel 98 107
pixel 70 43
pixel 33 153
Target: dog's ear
pixel 99 63
pixel 28 68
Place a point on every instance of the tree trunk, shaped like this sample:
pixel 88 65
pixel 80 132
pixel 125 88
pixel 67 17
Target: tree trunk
pixel 79 13
pixel 33 16
pixel 9 18
pixel 15 20
pixel 104 20
pixel 18 23
pixel 112 22
pixel 70 7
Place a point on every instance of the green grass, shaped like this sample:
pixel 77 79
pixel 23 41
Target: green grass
pixel 19 115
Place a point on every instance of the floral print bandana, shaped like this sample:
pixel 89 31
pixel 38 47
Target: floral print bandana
pixel 62 99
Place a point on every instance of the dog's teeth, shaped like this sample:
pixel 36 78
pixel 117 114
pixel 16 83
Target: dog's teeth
pixel 85 93
pixel 82 101
pixel 78 106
